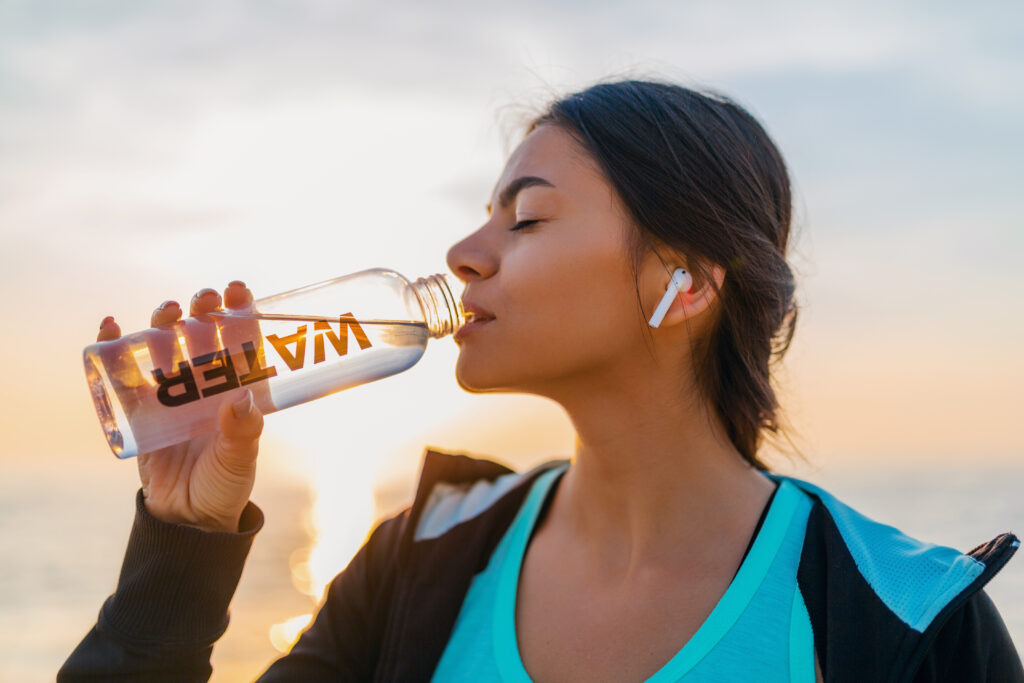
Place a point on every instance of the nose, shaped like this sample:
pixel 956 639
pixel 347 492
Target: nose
pixel 471 259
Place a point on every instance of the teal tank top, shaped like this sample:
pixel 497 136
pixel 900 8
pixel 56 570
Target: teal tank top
pixel 759 630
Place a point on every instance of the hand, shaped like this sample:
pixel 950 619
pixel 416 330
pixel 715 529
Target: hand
pixel 204 482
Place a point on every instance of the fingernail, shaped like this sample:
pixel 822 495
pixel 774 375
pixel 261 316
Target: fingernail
pixel 167 303
pixel 236 283
pixel 204 301
pixel 108 319
pixel 242 406
pixel 204 293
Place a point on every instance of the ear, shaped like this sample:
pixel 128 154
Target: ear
pixel 690 304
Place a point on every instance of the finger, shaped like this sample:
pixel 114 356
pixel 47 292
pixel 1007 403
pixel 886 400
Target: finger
pixel 165 314
pixel 201 329
pixel 241 419
pixel 109 330
pixel 164 349
pixel 237 295
pixel 242 338
pixel 240 424
pixel 118 363
pixel 204 301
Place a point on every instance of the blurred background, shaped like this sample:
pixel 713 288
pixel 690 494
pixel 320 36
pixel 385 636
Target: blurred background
pixel 149 149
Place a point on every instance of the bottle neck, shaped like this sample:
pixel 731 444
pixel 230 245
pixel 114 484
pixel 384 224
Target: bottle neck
pixel 442 310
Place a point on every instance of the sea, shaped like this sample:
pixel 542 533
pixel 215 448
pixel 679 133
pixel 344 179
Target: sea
pixel 63 530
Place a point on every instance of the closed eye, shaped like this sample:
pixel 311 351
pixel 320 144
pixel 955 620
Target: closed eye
pixel 524 224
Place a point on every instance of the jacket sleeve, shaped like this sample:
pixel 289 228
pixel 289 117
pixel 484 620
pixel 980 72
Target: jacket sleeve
pixel 973 645
pixel 170 604
pixel 344 641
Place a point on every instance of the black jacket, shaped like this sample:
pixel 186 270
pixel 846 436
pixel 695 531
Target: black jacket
pixel 388 615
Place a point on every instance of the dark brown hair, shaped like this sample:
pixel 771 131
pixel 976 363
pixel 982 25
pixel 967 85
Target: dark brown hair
pixel 700 176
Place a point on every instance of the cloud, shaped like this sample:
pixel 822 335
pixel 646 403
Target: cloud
pixel 167 53
pixel 127 126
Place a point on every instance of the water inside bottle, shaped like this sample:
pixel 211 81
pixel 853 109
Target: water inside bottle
pixel 162 386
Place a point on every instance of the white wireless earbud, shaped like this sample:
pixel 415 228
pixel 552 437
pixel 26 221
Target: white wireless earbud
pixel 681 282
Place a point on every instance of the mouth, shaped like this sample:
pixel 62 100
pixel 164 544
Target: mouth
pixel 477 317
pixel 474 320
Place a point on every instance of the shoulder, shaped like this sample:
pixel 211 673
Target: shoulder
pixel 408 580
pixel 456 488
pixel 462 507
pixel 878 597
pixel 972 645
pixel 460 500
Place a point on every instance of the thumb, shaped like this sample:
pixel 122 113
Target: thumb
pixel 240 424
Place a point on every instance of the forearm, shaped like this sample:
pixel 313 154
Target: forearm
pixel 170 605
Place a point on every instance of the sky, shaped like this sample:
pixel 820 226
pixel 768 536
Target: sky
pixel 151 149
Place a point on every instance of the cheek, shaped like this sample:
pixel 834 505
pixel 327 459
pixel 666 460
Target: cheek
pixel 591 321
pixel 562 316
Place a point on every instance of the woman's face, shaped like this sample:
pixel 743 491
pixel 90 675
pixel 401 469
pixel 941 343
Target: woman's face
pixel 551 267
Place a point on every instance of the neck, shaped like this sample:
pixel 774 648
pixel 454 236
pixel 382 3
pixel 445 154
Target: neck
pixel 653 477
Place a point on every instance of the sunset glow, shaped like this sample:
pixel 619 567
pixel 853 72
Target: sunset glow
pixel 154 149
pixel 284 634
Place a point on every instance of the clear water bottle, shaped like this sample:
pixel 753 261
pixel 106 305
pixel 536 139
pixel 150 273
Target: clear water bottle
pixel 163 385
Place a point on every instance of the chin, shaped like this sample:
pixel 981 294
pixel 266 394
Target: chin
pixel 475 379
pixel 474 385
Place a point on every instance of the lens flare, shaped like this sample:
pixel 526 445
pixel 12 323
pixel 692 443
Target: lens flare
pixel 284 634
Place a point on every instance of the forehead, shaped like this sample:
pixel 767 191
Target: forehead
pixel 551 153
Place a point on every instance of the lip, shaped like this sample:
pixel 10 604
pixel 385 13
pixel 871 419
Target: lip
pixel 481 318
pixel 470 327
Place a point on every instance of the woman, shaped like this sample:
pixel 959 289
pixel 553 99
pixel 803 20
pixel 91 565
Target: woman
pixel 664 549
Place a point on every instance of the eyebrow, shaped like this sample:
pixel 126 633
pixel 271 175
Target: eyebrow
pixel 508 195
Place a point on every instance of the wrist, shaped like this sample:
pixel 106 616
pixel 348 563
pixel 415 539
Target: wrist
pixel 210 524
